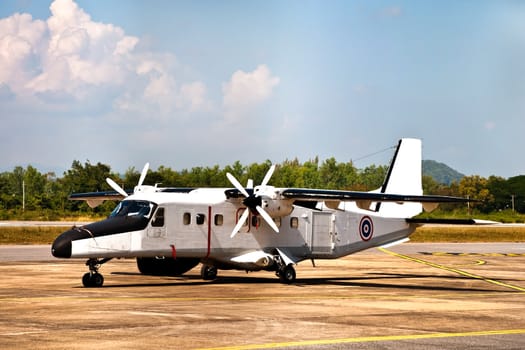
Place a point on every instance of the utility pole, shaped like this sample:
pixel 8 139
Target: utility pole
pixel 23 195
pixel 512 197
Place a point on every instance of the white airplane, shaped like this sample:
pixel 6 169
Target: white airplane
pixel 171 230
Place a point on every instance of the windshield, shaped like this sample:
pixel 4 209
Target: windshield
pixel 133 208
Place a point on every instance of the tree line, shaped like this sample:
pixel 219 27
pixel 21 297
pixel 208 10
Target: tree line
pixel 27 189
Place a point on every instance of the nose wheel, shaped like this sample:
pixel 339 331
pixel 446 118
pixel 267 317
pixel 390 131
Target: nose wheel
pixel 93 279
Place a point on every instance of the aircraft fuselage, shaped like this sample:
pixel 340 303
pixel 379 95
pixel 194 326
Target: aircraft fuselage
pixel 185 226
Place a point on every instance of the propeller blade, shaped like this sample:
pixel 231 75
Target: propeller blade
pixel 240 223
pixel 116 187
pixel 143 174
pixel 250 184
pixel 237 184
pixel 268 175
pixel 267 218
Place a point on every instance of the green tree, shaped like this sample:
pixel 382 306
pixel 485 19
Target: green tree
pixel 373 177
pixel 516 187
pixel 309 174
pixel 475 187
pixel 87 178
pixel 34 185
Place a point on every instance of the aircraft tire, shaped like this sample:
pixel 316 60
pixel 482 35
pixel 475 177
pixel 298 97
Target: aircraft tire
pixel 287 274
pixel 208 273
pixel 92 280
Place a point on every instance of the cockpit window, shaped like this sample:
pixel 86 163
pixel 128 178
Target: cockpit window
pixel 133 208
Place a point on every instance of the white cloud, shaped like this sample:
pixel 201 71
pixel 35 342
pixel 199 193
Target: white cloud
pixel 192 97
pixel 20 44
pixel 71 57
pixel 70 75
pixel 246 90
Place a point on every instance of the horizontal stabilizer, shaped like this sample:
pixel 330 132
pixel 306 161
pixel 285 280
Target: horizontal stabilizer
pixel 437 221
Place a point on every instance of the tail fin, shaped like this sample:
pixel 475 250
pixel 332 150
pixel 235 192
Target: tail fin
pixel 404 177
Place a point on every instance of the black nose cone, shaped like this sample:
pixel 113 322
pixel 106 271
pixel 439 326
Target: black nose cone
pixel 61 247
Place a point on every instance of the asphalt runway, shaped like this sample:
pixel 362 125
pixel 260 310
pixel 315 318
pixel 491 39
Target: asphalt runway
pixel 412 296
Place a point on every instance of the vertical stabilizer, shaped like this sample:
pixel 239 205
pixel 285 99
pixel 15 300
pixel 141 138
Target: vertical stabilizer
pixel 404 177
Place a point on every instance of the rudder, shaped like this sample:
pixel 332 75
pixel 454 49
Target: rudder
pixel 403 177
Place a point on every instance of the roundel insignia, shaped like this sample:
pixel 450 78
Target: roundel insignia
pixel 366 228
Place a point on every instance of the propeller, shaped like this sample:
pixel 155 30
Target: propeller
pixel 253 200
pixel 116 187
pixel 143 174
pixel 120 190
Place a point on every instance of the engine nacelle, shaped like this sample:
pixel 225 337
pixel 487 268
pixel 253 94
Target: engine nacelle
pixel 265 261
pixel 258 257
pixel 277 207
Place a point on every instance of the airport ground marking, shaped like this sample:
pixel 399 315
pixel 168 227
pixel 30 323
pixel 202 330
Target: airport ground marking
pixel 451 269
pixel 262 298
pixel 380 338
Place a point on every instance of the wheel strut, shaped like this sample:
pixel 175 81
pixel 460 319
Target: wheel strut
pixel 286 273
pixel 93 278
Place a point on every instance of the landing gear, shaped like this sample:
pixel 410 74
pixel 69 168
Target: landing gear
pixel 208 272
pixel 92 278
pixel 286 274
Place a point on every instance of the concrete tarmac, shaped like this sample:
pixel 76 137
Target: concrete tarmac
pixel 412 296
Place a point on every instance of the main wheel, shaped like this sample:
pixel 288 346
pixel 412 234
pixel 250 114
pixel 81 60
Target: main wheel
pixel 287 274
pixel 86 280
pixel 208 272
pixel 97 279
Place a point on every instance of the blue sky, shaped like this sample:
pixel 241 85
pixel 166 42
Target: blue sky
pixel 199 83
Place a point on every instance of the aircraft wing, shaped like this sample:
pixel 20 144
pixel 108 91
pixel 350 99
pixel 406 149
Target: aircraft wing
pixel 94 199
pixel 306 194
pixel 107 195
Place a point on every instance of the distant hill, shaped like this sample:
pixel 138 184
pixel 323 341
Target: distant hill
pixel 440 172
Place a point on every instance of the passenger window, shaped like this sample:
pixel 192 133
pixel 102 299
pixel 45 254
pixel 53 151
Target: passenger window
pixel 158 220
pixel 186 219
pixel 219 219
pixel 294 222
pixel 200 219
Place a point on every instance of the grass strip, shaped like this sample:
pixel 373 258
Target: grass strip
pixel 30 234
pixel 461 234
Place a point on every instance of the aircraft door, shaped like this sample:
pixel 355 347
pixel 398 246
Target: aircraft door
pixel 321 233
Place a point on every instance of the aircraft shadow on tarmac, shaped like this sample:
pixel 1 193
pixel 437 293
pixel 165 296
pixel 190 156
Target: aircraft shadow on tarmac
pixel 370 281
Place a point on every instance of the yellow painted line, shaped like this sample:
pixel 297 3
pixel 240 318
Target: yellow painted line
pixel 460 272
pixel 262 298
pixel 367 339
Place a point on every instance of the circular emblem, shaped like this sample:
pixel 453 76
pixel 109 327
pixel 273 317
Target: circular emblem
pixel 366 228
